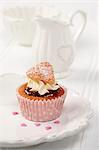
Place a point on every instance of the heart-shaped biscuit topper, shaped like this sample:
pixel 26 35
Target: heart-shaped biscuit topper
pixel 42 72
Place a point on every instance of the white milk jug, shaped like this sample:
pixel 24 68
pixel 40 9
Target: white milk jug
pixel 53 42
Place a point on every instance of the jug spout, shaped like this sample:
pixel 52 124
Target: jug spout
pixel 50 24
pixel 43 22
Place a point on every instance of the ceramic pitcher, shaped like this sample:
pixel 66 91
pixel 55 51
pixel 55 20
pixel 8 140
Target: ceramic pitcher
pixel 55 43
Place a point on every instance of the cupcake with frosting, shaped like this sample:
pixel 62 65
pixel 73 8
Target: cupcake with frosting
pixel 41 98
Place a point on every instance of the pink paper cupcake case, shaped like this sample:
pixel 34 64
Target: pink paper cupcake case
pixel 41 110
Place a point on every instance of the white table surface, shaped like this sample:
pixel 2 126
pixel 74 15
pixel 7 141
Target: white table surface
pixel 84 77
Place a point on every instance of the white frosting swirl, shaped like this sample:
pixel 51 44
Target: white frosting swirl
pixel 41 87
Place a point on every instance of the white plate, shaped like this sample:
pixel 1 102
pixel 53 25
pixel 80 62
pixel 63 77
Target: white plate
pixel 15 131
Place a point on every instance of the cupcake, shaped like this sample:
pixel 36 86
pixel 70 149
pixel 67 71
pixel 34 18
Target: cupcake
pixel 41 98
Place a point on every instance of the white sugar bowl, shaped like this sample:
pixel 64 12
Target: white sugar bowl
pixel 19 21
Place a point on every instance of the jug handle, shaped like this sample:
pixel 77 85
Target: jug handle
pixel 82 27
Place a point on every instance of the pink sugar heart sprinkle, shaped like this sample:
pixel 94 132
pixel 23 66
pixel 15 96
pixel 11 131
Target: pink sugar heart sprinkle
pixel 23 125
pixel 15 113
pixel 48 127
pixel 37 124
pixel 56 122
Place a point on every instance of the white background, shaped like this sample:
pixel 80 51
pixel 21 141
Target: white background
pixel 84 71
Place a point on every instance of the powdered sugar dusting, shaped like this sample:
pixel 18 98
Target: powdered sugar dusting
pixel 42 71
